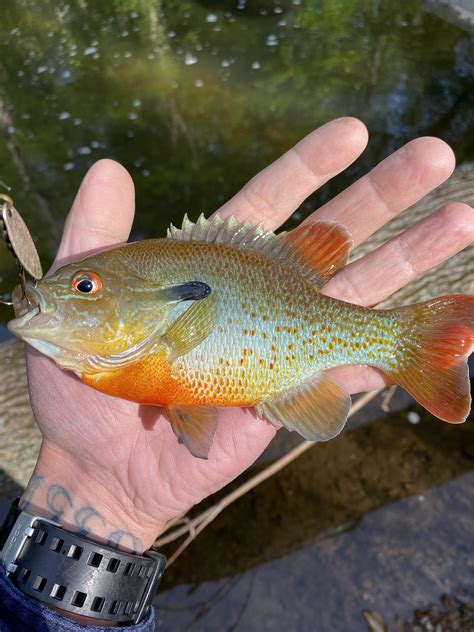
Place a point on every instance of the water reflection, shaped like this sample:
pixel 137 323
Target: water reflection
pixel 195 97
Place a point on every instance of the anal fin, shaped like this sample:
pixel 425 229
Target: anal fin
pixel 194 426
pixel 317 410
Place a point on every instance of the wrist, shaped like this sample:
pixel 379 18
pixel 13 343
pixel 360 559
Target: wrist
pixel 88 502
pixel 72 575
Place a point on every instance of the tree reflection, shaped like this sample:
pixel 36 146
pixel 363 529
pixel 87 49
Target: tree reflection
pixel 195 97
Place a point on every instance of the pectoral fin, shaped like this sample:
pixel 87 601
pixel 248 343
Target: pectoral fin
pixel 195 324
pixel 191 328
pixel 317 411
pixel 194 426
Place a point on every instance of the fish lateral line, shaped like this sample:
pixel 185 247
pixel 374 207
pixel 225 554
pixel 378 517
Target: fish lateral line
pixel 257 330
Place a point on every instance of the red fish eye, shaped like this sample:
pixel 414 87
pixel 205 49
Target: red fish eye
pixel 86 283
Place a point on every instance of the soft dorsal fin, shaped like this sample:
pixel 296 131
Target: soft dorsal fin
pixel 315 250
pixel 320 249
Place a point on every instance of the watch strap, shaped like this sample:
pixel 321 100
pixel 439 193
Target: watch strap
pixel 70 572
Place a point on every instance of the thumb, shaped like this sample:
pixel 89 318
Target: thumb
pixel 102 212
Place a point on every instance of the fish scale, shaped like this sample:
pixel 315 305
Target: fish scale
pixel 227 314
pixel 272 332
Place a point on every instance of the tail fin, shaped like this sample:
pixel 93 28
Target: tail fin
pixel 439 337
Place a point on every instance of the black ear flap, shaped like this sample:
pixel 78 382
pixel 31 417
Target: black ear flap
pixel 190 291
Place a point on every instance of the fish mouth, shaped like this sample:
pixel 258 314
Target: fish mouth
pixel 35 324
pixel 30 303
pixel 19 323
pixel 28 307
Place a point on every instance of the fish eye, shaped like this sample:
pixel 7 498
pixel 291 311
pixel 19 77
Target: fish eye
pixel 85 286
pixel 86 283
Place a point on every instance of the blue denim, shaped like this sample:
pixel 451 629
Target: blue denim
pixel 19 613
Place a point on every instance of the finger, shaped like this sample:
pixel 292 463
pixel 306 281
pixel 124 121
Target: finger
pixel 274 193
pixel 359 379
pixel 102 212
pixel 392 186
pixel 374 277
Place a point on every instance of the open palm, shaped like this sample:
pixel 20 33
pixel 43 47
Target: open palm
pixel 125 456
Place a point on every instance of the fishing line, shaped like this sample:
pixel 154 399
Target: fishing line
pixel 5 185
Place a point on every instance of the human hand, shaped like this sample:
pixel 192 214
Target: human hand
pixel 114 468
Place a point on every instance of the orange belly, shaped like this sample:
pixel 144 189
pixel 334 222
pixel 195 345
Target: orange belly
pixel 149 381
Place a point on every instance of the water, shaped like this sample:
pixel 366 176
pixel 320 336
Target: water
pixel 194 98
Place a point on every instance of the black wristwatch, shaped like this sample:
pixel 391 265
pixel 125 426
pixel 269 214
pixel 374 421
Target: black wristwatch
pixel 72 573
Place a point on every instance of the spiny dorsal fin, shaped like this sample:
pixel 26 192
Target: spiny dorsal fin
pixel 315 250
pixel 227 231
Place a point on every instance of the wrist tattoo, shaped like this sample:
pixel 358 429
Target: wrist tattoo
pixel 58 500
pixel 85 519
pixel 120 538
pixel 34 484
pixel 84 515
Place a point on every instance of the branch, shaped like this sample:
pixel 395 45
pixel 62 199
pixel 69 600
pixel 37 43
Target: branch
pixel 195 526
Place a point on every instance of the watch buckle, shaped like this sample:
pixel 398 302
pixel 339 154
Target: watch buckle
pixel 152 585
pixel 22 530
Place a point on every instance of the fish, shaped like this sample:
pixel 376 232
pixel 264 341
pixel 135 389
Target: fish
pixel 224 313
